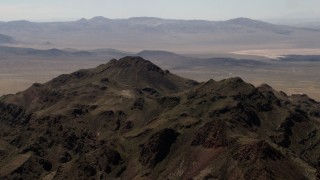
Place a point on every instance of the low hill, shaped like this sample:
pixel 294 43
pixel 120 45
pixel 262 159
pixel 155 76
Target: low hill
pixel 129 119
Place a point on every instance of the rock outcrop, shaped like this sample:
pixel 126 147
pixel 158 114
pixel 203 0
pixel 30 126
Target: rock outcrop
pixel 129 119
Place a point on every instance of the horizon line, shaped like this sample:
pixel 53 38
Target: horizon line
pixel 78 19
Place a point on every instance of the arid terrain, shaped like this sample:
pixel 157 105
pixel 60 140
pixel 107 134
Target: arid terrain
pixel 257 51
pixel 21 67
pixel 129 119
pixel 151 98
pixel 138 33
pixel 278 53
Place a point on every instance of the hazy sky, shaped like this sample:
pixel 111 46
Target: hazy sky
pixel 173 9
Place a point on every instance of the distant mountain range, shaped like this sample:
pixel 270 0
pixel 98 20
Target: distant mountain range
pixel 4 39
pixel 313 23
pixel 162 34
pixel 164 58
pixel 151 25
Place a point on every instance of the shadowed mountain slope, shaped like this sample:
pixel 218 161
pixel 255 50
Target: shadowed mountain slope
pixel 4 39
pixel 129 119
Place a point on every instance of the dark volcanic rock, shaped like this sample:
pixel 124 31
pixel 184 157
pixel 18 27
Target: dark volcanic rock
pixel 10 113
pixel 138 61
pixel 46 164
pixel 66 157
pixel 129 119
pixel 256 151
pixel 169 102
pixel 211 135
pixel 138 104
pixel 157 147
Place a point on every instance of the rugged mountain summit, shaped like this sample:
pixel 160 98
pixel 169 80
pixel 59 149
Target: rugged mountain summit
pixel 129 119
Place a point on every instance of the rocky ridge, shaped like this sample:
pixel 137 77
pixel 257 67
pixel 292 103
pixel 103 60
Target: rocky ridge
pixel 129 119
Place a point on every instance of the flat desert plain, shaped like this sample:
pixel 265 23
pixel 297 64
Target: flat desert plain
pixel 291 75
